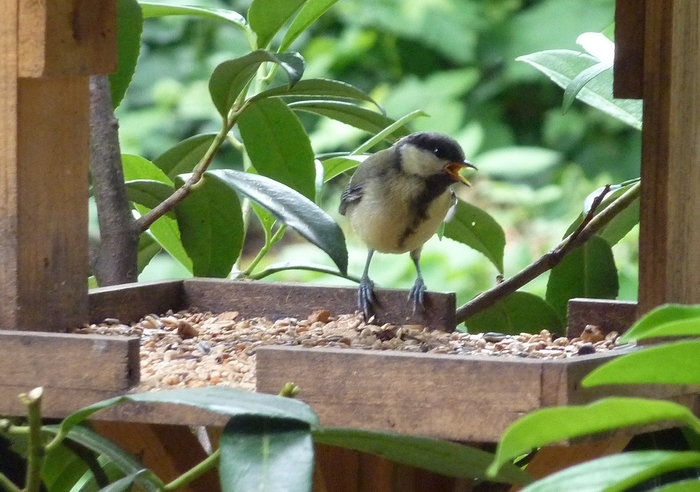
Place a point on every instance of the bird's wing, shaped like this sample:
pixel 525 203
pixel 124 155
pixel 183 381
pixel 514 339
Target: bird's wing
pixel 351 194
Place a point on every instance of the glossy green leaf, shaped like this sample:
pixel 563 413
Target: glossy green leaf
pixel 62 469
pixel 562 66
pixel 185 155
pixel 122 459
pixel 136 167
pixel 665 320
pixel 578 83
pixel 317 89
pixel 226 401
pixel 443 457
pixel 690 485
pixel 278 145
pixel 519 312
pixel 669 363
pixel 472 226
pixel 293 209
pixel 266 455
pixel 616 473
pixel 129 27
pixel 148 192
pixel 338 165
pixel 517 162
pixel 232 76
pixel 551 425
pixel 397 129
pixel 211 226
pixel 266 17
pixel 309 13
pixel 123 483
pixel 167 233
pixel 148 249
pixel 164 10
pixel 345 112
pixel 588 271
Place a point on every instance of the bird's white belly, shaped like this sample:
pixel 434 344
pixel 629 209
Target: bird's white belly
pixel 382 221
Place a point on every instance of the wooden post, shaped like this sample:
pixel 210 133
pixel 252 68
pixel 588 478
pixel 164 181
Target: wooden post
pixel 669 250
pixel 48 50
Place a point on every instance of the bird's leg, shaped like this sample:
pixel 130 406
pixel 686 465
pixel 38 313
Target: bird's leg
pixel 365 294
pixel 417 293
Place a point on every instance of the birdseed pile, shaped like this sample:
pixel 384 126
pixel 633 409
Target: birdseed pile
pixel 192 349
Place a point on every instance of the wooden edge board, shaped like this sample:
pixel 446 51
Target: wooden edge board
pixel 131 302
pixel 608 315
pixel 277 300
pixel 68 361
pixel 55 403
pixel 629 49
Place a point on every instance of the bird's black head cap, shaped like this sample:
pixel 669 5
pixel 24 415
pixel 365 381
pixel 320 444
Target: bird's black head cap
pixel 441 145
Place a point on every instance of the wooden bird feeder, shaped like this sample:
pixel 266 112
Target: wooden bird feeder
pixel 49 49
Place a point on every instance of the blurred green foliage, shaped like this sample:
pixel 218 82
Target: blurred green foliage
pixel 453 59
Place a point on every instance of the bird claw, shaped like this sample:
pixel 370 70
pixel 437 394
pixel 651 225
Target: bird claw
pixel 417 295
pixel 365 297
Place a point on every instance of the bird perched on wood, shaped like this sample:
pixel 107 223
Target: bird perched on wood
pixel 397 199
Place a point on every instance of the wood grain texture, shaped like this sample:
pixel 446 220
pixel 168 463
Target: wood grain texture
pixel 669 264
pixel 608 315
pixel 277 300
pixel 131 302
pixel 59 38
pixel 629 49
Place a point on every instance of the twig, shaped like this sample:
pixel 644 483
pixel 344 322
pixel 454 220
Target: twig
pixel 114 260
pixel 36 448
pixel 590 225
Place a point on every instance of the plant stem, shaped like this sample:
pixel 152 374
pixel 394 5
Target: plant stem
pixel 588 228
pixel 310 268
pixel 35 452
pixel 195 472
pixel 265 250
pixel 7 485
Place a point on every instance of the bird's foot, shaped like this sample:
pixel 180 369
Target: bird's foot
pixel 365 297
pixel 417 295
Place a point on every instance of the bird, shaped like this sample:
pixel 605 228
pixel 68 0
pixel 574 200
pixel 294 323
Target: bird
pixel 396 200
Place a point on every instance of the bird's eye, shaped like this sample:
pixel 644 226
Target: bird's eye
pixel 437 151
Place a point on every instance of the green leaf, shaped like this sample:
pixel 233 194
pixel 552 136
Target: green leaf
pixel 62 469
pixel 670 363
pixel 267 17
pixel 121 458
pixel 309 13
pixel 519 312
pixel 225 401
pixel 162 10
pixel 278 145
pixel 517 162
pixel 129 27
pixel 148 249
pixel 575 86
pixel 185 155
pixel 617 473
pixel 148 192
pixel 167 233
pixel 293 209
pixel 123 483
pixel 397 129
pixel 348 113
pixel 211 226
pixel 136 167
pixel 266 455
pixel 587 271
pixel 562 67
pixel 338 165
pixel 317 89
pixel 667 320
pixel 690 485
pixel 551 425
pixel 472 226
pixel 444 457
pixel 232 76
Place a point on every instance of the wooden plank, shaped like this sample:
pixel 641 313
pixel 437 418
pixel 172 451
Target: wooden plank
pixel 58 360
pixel 59 38
pixel 131 302
pixel 669 259
pixel 605 314
pixel 629 49
pixel 56 402
pixel 167 450
pixel 277 300
pixel 453 397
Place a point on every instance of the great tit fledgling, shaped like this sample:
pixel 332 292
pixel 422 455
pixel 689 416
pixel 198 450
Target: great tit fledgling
pixel 397 199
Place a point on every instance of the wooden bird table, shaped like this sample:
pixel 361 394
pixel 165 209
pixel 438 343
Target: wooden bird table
pixel 49 49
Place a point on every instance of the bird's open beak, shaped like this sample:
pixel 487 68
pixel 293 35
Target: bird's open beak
pixel 454 168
